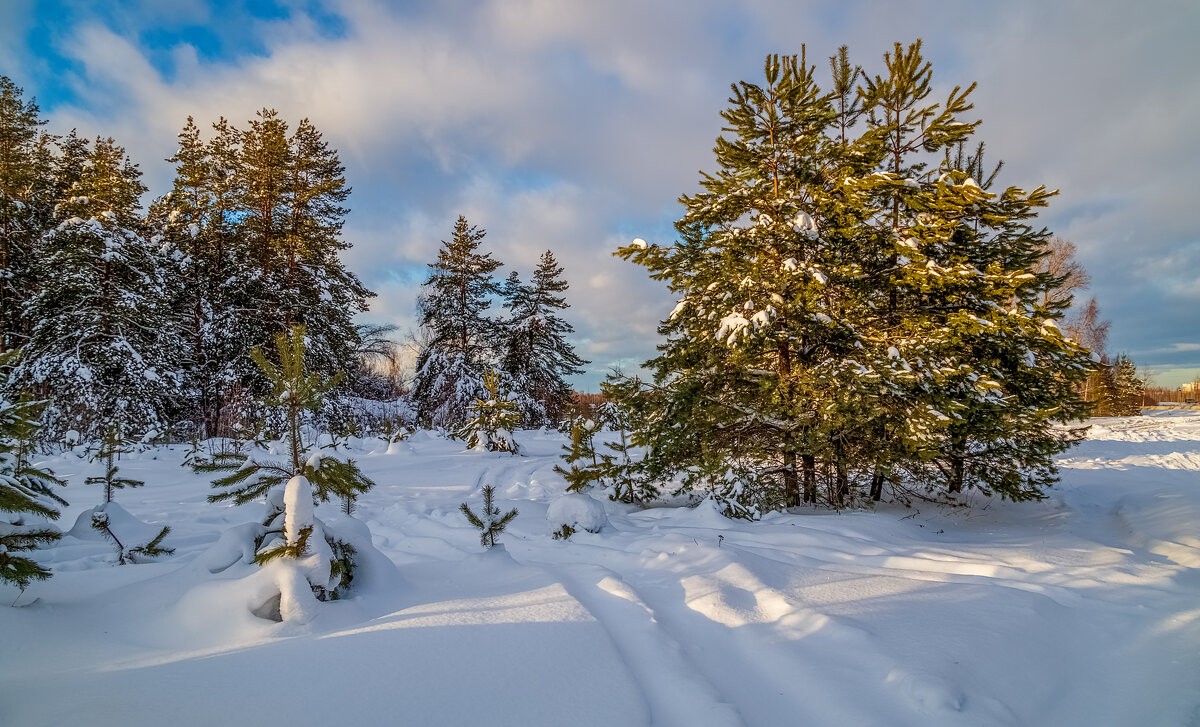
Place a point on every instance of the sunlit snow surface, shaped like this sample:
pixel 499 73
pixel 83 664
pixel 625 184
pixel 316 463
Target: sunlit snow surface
pixel 1080 610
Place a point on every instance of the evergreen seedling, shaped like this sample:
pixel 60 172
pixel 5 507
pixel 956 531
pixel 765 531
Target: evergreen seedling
pixel 492 523
pixel 111 446
pixel 151 549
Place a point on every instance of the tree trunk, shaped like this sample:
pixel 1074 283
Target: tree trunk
pixel 877 485
pixel 810 477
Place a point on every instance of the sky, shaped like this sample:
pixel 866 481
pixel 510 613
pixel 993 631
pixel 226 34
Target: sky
pixel 576 126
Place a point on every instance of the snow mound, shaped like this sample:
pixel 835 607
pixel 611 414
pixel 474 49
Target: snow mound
pixel 927 692
pixel 128 529
pixel 576 511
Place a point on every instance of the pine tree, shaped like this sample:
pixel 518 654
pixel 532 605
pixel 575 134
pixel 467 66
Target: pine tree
pixel 295 390
pixel 585 468
pixel 1128 386
pixel 26 199
pixel 453 308
pixel 491 523
pixel 103 349
pixel 536 355
pixel 853 311
pixel 291 531
pixel 111 446
pixel 621 413
pixel 27 497
pixel 492 419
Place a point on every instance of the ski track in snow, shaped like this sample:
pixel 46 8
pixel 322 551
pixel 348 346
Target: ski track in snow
pixel 1083 609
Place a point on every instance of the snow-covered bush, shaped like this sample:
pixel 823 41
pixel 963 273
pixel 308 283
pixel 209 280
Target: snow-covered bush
pixel 573 512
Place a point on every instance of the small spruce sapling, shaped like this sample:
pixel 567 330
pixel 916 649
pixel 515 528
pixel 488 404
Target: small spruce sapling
pixel 492 420
pixel 26 494
pixel 492 523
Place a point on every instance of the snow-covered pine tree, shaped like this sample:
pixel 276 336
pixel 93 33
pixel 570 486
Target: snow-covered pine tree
pixel 103 349
pixel 453 306
pixel 291 529
pixel 27 498
pixel 191 222
pixel 293 188
pixel 738 374
pixel 1130 387
pixel 492 419
pixel 490 523
pixel 26 200
pixel 537 355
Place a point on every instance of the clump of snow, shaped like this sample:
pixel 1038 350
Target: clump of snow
pixel 577 511
pixel 298 506
pixel 639 243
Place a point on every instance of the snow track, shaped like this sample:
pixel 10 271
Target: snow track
pixel 1080 610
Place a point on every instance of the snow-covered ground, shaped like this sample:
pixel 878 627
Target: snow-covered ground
pixel 1080 610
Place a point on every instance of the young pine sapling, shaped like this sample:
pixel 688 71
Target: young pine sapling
pixel 492 523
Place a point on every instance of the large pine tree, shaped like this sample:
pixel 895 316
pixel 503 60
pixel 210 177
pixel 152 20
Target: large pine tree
pixel 103 348
pixel 851 309
pixel 26 201
pixel 461 336
pixel 537 356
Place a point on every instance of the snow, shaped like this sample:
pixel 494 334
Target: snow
pixel 578 511
pixel 639 243
pixel 1078 610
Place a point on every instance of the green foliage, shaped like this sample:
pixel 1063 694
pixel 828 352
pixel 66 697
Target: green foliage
pixel 492 419
pixel 112 445
pixel 27 495
pixel 453 305
pixel 625 399
pixel 563 533
pixel 283 549
pixel 855 309
pixel 127 553
pixel 585 469
pixel 491 523
pixel 295 390
pixel 536 354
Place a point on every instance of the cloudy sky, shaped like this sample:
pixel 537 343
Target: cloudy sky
pixel 575 126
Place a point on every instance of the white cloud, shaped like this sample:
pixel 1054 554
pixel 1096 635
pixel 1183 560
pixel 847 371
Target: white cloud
pixel 611 108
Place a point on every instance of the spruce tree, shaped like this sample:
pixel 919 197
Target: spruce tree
pixel 103 349
pixel 27 498
pixel 26 199
pixel 537 356
pixel 453 307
